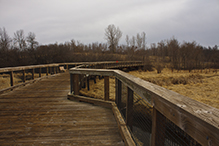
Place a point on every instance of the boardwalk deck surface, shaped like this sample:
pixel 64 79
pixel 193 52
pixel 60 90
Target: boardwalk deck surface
pixel 40 114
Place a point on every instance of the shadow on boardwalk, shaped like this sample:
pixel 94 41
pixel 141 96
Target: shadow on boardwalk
pixel 40 114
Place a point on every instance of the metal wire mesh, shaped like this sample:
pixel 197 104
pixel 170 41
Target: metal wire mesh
pixel 168 134
pixel 142 121
pixel 172 135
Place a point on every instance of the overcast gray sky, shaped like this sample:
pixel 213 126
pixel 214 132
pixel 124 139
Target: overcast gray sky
pixel 85 20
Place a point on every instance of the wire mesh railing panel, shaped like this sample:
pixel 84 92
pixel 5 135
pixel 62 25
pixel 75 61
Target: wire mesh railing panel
pixel 171 135
pixel 142 121
pixel 123 100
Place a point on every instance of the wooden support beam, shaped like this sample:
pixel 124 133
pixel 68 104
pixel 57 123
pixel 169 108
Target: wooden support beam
pixel 129 108
pixel 40 72
pixel 24 76
pixel 106 88
pixel 158 129
pixel 67 66
pixel 118 92
pixel 50 70
pixel 33 73
pixel 57 69
pixel 76 84
pixel 88 84
pixel 12 78
pixel 47 71
pixel 71 83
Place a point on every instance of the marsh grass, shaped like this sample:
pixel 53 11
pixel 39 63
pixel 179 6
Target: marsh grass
pixel 200 85
pixel 18 78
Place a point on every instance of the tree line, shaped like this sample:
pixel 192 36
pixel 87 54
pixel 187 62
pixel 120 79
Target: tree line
pixel 25 50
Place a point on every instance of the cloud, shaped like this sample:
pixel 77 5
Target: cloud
pixel 86 20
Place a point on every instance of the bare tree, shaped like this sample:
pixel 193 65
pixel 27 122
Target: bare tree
pixel 143 35
pixel 127 40
pixel 139 40
pixel 113 36
pixel 5 40
pixel 19 39
pixel 31 39
pixel 132 41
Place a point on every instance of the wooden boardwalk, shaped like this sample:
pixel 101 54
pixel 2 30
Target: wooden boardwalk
pixel 40 114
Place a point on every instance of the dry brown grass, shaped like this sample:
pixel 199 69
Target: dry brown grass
pixel 5 79
pixel 201 86
pixel 97 90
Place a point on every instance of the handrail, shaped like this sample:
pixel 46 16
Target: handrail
pixel 53 68
pixel 198 120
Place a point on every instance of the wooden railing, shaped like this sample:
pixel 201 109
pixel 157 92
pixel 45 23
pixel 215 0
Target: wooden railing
pixel 54 68
pixel 196 119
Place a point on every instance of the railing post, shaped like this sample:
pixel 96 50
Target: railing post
pixel 76 84
pixel 118 92
pixel 57 69
pixel 67 66
pixel 40 72
pixel 12 78
pixel 54 70
pixel 47 71
pixel 33 73
pixel 88 85
pixel 106 88
pixel 24 76
pixel 158 137
pixel 129 108
pixel 50 70
pixel 71 83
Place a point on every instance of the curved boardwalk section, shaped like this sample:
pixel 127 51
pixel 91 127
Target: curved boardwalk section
pixel 40 114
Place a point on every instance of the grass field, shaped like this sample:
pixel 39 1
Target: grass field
pixel 5 79
pixel 201 86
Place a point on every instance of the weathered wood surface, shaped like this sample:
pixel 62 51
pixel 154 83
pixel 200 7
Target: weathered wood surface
pixel 198 120
pixel 40 114
pixel 8 69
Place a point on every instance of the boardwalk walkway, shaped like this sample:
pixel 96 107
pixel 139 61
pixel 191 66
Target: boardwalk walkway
pixel 40 114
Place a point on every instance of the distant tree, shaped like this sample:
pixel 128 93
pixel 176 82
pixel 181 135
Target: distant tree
pixel 173 49
pixel 31 39
pixel 113 36
pixel 143 35
pixel 19 39
pixel 139 40
pixel 5 40
pixel 127 40
pixel 132 41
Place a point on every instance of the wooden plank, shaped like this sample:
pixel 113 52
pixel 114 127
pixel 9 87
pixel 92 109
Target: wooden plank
pixel 129 108
pixel 40 70
pixel 12 78
pixel 158 135
pixel 9 69
pixel 90 100
pixel 24 76
pixel 197 119
pixel 122 126
pixel 118 93
pixel 50 120
pixel 33 74
pixel 201 119
pixel 71 83
pixel 106 88
pixel 47 71
pixel 76 84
